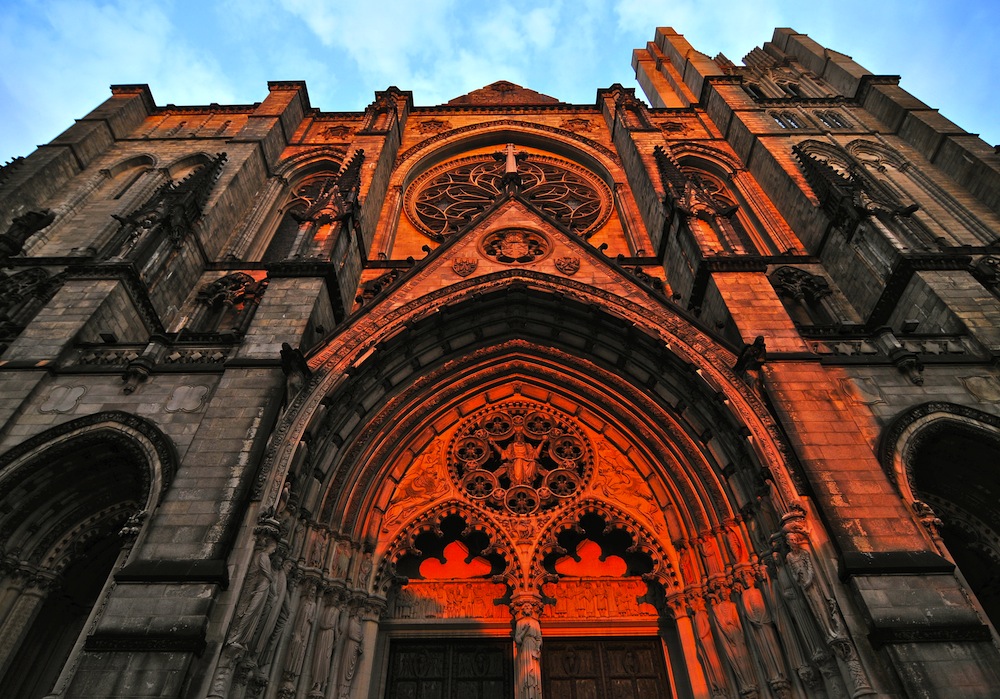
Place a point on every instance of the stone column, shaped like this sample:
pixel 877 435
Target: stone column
pixel 18 620
pixel 369 615
pixel 689 647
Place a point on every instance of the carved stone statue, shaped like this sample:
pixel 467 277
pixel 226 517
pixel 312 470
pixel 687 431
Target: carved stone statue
pixel 248 619
pixel 330 631
pixel 520 459
pixel 22 228
pixel 352 653
pixel 735 647
pixel 301 631
pixel 800 563
pixel 707 652
pixel 758 619
pixel 528 658
pixel 277 614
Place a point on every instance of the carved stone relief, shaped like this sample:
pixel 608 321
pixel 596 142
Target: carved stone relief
pixel 519 458
pixel 442 599
pixel 515 246
pixel 618 599
pixel 568 265
pixel 863 391
pixel 985 389
pixel 433 126
pixel 464 266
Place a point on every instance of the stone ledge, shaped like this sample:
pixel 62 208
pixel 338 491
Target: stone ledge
pixel 950 633
pixel 892 563
pixel 139 642
pixel 175 571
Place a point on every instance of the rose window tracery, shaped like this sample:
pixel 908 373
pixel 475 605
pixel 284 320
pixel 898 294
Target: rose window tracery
pixel 445 199
pixel 520 459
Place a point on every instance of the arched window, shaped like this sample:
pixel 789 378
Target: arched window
pixel 298 234
pixel 227 304
pixel 832 120
pixel 755 91
pixel 791 89
pixel 944 218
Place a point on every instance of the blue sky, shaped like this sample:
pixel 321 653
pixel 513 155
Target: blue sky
pixel 60 56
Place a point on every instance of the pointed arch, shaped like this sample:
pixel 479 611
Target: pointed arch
pixel 956 499
pixel 67 495
pixel 711 421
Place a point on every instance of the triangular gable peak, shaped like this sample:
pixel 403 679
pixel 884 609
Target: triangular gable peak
pixel 502 93
pixel 514 236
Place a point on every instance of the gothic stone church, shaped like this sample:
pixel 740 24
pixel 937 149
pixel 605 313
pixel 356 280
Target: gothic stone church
pixel 506 398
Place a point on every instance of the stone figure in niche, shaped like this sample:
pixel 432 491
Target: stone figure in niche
pixel 277 613
pixel 520 459
pixel 735 647
pixel 782 619
pixel 800 563
pixel 352 653
pixel 707 652
pixel 244 629
pixel 331 625
pixel 759 624
pixel 342 561
pixel 528 659
pixel 301 631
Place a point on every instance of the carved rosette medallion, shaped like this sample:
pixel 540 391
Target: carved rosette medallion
pixel 515 246
pixel 520 459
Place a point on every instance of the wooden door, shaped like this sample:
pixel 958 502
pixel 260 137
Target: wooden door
pixel 450 669
pixel 606 668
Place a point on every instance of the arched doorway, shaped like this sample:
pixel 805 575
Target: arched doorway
pixel 945 460
pixel 598 440
pixel 72 501
pixel 957 472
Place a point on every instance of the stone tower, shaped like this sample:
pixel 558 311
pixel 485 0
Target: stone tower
pixel 506 397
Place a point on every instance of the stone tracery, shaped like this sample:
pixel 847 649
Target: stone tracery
pixel 447 198
pixel 520 459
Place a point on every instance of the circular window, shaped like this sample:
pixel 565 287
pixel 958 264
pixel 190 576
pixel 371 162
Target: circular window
pixel 445 199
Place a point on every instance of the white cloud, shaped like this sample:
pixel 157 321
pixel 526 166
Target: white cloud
pixel 60 56
pixel 66 55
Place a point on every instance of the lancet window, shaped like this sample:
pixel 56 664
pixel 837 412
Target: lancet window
pixel 833 120
pixel 320 207
pixel 298 235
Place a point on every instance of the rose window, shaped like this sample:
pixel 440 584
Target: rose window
pixel 445 199
pixel 520 458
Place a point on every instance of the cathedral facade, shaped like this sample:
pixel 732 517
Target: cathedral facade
pixel 506 398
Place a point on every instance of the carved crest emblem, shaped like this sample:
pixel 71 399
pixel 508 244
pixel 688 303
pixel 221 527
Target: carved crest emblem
pixel 464 266
pixel 568 265
pixel 577 124
pixel 433 126
pixel 672 126
pixel 515 245
pixel 339 131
